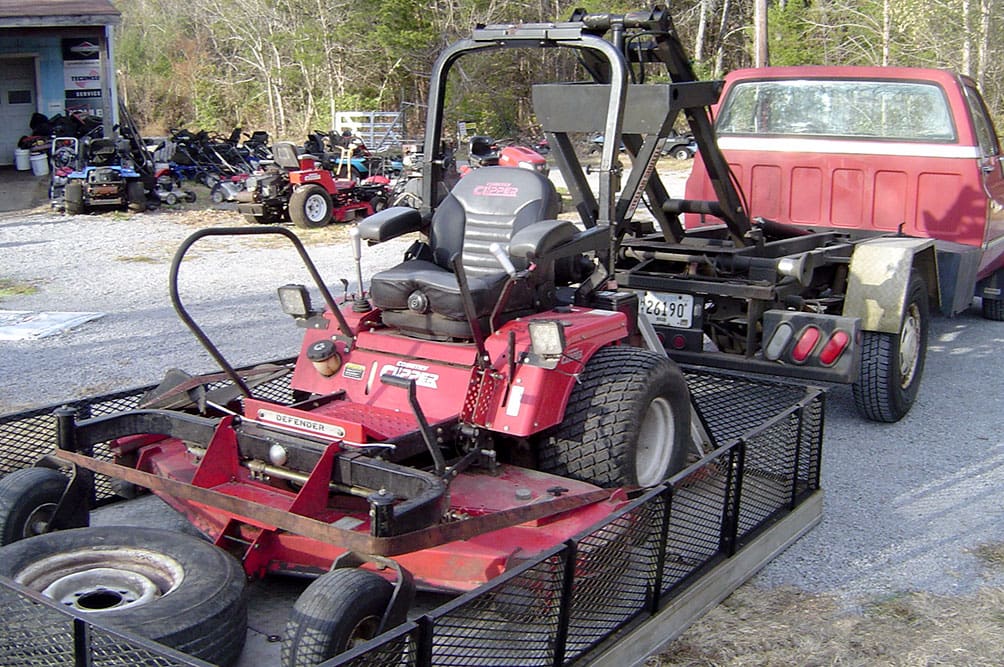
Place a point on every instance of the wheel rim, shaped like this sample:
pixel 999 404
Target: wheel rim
pixel 656 439
pixel 37 522
pixel 315 208
pixel 103 579
pixel 909 346
pixel 363 631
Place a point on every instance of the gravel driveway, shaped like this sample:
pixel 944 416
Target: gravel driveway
pixel 905 503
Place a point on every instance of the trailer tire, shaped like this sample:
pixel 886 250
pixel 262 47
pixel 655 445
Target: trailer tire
pixel 892 364
pixel 310 207
pixel 993 309
pixel 28 498
pixel 336 611
pixel 626 397
pixel 136 196
pixel 172 588
pixel 73 198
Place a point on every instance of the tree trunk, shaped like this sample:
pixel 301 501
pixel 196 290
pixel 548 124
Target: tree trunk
pixel 761 58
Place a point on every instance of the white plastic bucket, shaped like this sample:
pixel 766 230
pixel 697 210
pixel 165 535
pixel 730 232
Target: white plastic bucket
pixel 40 164
pixel 22 159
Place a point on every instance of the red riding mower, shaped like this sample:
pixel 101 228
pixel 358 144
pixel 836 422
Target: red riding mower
pixel 483 402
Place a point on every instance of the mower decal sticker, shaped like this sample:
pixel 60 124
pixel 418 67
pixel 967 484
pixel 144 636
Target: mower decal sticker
pixel 301 423
pixel 312 177
pixel 515 400
pixel 353 371
pixel 411 371
pixel 496 190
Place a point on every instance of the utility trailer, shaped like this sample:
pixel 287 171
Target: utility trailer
pixel 492 410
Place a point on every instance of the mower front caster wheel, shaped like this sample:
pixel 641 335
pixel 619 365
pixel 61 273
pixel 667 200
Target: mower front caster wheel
pixel 337 611
pixel 169 587
pixel 28 499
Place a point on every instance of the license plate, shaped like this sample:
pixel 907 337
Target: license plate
pixel 671 310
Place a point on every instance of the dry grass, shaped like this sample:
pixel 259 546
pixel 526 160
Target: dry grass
pixel 785 626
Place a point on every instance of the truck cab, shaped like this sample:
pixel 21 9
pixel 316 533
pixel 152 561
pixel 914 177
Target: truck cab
pixel 871 151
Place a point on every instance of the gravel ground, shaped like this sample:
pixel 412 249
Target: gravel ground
pixel 905 503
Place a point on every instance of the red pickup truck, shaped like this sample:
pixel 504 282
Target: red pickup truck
pixel 876 150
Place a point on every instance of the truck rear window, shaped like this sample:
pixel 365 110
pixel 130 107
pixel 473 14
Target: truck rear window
pixel 894 110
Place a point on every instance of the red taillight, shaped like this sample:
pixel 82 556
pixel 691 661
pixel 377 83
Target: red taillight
pixel 834 348
pixel 806 344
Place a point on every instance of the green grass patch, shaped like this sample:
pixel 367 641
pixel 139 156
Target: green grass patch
pixel 10 288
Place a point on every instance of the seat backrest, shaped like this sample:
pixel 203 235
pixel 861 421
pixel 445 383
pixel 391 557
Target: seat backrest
pixel 487 206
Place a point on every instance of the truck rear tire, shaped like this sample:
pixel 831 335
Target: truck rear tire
pixel 993 309
pixel 893 364
pixel 627 422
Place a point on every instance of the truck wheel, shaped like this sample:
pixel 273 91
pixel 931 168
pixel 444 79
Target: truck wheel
pixel 993 309
pixel 28 497
pixel 626 424
pixel 73 198
pixel 892 364
pixel 136 196
pixel 337 611
pixel 169 587
pixel 310 206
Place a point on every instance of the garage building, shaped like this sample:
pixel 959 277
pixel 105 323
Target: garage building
pixel 56 57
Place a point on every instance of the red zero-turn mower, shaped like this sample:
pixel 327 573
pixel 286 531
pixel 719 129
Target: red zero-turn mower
pixel 482 403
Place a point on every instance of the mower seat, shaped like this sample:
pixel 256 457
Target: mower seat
pixel 514 208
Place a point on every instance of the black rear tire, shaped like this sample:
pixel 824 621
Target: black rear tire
pixel 335 612
pixel 73 198
pixel 627 422
pixel 993 309
pixel 310 207
pixel 892 364
pixel 169 587
pixel 136 196
pixel 28 498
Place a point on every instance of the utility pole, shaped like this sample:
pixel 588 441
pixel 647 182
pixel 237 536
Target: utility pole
pixel 761 58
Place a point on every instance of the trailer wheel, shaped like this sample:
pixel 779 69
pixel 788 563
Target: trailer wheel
pixel 892 364
pixel 169 587
pixel 28 498
pixel 626 424
pixel 73 198
pixel 337 611
pixel 136 196
pixel 993 309
pixel 310 206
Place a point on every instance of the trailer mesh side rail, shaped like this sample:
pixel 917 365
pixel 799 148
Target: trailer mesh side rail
pixel 553 609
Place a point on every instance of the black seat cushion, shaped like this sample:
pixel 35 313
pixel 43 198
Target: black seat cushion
pixel 487 206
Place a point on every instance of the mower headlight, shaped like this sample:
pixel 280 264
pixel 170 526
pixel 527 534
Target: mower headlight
pixel 295 301
pixel 547 339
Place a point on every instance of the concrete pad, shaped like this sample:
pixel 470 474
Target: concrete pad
pixel 22 190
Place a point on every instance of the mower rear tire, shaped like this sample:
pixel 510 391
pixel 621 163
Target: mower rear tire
pixel 136 196
pixel 73 198
pixel 627 422
pixel 337 611
pixel 310 207
pixel 172 588
pixel 28 499
pixel 992 309
pixel 216 194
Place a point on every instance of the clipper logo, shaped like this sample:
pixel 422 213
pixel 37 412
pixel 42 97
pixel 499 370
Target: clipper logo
pixel 496 190
pixel 416 372
pixel 312 177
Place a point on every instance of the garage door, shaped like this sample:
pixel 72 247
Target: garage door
pixel 17 103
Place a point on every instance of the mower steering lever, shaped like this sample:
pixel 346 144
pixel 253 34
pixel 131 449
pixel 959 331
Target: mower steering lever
pixel 423 424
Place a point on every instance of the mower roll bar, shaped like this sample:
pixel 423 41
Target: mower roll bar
pixel 182 312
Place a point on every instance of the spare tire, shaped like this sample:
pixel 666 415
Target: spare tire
pixel 169 587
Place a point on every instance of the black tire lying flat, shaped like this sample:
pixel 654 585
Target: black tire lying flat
pixel 169 587
pixel 893 364
pixel 28 497
pixel 627 422
pixel 310 206
pixel 335 612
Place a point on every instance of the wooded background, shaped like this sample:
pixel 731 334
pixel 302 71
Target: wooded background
pixel 286 66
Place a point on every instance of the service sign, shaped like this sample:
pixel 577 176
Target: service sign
pixel 82 76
